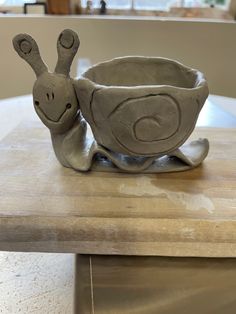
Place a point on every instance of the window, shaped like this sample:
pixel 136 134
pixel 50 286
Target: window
pixel 154 4
pixel 135 4
pixel 113 4
pixel 158 5
pixel 15 2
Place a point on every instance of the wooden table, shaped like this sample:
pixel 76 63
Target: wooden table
pixel 45 207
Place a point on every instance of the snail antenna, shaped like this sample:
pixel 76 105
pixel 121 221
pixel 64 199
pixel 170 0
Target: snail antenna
pixel 27 49
pixel 67 46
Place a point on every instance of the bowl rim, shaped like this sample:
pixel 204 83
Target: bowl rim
pixel 200 80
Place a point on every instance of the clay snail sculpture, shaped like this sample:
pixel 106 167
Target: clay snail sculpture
pixel 141 110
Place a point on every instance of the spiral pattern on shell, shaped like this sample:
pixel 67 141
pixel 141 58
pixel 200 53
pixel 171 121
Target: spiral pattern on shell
pixel 140 124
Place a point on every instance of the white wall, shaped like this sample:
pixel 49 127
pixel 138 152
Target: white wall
pixel 207 46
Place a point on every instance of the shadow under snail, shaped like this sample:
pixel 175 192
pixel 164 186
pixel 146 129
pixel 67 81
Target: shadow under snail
pixel 141 110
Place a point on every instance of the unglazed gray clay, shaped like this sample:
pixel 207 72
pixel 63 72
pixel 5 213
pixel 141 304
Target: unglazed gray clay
pixel 141 110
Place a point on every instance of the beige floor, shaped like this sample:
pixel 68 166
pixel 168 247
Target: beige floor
pixel 43 283
pixel 36 283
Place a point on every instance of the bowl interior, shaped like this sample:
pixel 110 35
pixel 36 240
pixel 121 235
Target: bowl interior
pixel 138 71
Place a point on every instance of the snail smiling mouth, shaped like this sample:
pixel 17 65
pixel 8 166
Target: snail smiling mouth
pixel 41 112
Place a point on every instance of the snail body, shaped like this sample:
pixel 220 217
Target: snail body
pixel 138 108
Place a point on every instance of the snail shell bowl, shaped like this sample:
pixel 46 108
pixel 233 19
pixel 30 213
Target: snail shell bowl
pixel 142 106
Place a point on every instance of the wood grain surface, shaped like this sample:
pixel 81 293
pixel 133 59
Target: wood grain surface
pixel 45 207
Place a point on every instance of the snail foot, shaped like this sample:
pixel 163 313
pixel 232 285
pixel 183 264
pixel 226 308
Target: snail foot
pixel 184 158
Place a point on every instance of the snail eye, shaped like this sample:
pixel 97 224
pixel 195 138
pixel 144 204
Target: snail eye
pixel 36 103
pixel 68 106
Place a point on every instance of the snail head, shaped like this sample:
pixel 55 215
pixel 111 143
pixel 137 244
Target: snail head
pixel 54 96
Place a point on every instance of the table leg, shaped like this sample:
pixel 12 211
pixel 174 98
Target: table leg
pixel 151 285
